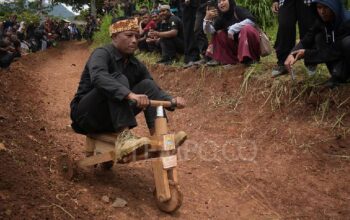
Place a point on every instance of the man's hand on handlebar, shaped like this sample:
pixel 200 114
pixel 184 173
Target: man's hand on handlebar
pixel 141 100
pixel 180 102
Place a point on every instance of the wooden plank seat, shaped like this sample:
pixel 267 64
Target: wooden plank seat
pixel 102 146
pixel 104 143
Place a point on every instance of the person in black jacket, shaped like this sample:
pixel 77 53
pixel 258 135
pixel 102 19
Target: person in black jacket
pixel 169 35
pixel 111 78
pixel 328 41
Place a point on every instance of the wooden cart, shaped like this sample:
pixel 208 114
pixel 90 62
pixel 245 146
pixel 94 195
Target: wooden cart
pixel 162 151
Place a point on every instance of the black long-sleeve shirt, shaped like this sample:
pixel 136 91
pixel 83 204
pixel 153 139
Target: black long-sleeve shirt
pixel 100 72
pixel 323 41
pixel 330 50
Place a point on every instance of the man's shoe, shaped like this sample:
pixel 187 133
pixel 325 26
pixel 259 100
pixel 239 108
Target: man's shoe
pixel 200 62
pixel 189 64
pixel 188 59
pixel 212 63
pixel 278 71
pixel 180 138
pixel 127 143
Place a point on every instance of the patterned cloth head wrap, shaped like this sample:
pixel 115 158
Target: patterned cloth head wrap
pixel 130 24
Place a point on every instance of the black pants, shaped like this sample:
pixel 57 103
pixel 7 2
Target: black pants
pixel 200 36
pixel 190 43
pixel 95 113
pixel 340 69
pixel 171 46
pixel 291 12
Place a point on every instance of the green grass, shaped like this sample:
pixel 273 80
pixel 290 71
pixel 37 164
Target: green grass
pixel 102 37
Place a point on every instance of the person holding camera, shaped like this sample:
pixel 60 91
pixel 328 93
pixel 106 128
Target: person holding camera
pixel 234 37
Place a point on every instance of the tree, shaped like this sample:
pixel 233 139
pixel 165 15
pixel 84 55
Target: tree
pixel 78 5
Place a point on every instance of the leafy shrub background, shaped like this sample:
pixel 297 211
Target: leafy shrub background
pixel 26 16
pixel 102 37
pixel 261 9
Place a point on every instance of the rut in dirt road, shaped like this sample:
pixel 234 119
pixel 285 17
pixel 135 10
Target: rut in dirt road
pixel 243 163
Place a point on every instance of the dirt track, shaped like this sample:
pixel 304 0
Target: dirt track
pixel 247 163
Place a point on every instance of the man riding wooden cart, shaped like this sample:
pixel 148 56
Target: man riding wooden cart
pixel 113 89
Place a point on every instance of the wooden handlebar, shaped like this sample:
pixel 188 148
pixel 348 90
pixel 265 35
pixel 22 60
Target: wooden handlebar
pixel 155 103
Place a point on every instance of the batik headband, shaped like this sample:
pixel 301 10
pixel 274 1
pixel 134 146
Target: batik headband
pixel 124 25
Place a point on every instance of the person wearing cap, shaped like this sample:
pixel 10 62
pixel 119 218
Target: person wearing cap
pixel 112 77
pixel 328 42
pixel 169 35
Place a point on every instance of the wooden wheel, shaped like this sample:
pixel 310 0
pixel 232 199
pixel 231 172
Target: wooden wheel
pixel 66 166
pixel 105 165
pixel 174 203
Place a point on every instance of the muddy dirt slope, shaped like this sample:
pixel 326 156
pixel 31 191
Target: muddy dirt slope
pixel 244 159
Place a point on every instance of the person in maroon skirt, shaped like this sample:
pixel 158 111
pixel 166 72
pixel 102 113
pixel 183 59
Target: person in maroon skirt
pixel 234 36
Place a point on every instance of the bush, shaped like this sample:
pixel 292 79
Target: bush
pixel 101 37
pixel 261 9
pixel 25 16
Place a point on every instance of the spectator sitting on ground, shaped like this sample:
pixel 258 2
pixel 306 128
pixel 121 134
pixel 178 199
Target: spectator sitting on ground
pixel 234 37
pixel 21 35
pixel 41 37
pixel 328 41
pixel 7 52
pixel 16 44
pixel 152 41
pixel 143 10
pixel 21 31
pixel 146 25
pixel 169 36
pixel 156 18
pixel 10 23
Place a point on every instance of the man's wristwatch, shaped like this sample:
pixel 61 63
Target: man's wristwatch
pixel 173 103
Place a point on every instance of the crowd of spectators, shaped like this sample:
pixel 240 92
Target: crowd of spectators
pixel 19 38
pixel 210 32
pixel 221 32
pixel 183 28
